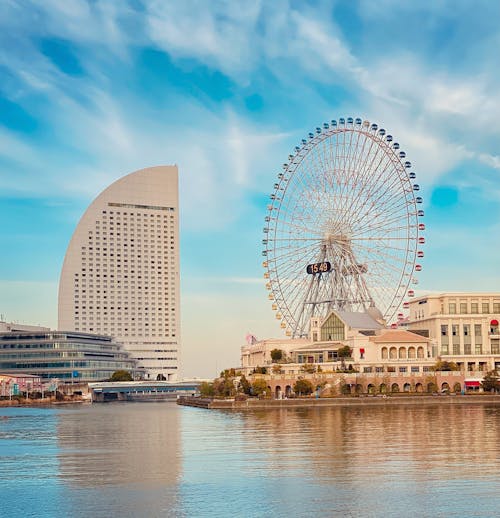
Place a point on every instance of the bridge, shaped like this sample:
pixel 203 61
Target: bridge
pixel 141 390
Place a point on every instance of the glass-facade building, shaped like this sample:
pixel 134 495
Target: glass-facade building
pixel 68 356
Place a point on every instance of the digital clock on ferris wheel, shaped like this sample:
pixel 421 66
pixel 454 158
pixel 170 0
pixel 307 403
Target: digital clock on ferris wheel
pixel 323 267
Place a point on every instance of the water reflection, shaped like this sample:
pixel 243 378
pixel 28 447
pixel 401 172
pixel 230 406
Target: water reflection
pixel 377 461
pixel 117 444
pixel 157 459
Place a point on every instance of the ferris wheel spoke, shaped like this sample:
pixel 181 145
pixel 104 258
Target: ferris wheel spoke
pixel 369 189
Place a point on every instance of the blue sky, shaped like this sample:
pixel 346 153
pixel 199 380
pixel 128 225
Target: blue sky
pixel 90 91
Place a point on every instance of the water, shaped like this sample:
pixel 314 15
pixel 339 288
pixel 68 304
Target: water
pixel 157 459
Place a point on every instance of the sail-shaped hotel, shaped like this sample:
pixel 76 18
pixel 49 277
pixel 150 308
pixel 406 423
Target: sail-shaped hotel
pixel 120 275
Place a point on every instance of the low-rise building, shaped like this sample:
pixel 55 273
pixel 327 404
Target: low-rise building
pixel 67 356
pixel 380 360
pixel 15 384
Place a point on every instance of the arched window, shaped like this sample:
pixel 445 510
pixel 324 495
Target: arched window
pixel 402 352
pixel 393 353
pixel 384 353
pixel 420 352
pixel 411 352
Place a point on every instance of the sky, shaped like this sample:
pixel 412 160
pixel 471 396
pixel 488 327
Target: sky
pixel 93 90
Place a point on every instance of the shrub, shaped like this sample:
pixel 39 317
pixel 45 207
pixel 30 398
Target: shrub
pixel 276 355
pixel 259 387
pixel 303 387
pixel 121 375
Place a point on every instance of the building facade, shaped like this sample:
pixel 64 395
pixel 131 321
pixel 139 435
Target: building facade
pixel 67 356
pixel 121 276
pixel 381 360
pixel 462 328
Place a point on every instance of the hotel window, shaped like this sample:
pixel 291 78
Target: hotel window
pixel 496 307
pixel 415 369
pixel 403 369
pixel 485 307
pixel 463 308
pixel 474 308
pixel 452 308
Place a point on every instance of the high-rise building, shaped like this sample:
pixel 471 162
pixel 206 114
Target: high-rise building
pixel 120 275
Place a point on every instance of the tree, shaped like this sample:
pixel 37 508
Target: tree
pixel 276 355
pixel 228 373
pixel 259 387
pixel 207 389
pixel 491 382
pixel 308 367
pixel 277 369
pixel 343 353
pixel 443 365
pixel 121 375
pixel 224 387
pixel 260 370
pixel 303 387
pixel 245 386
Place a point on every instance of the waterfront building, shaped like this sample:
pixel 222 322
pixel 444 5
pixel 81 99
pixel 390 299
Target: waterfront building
pixel 67 356
pixel 15 384
pixel 120 275
pixel 463 328
pixel 381 360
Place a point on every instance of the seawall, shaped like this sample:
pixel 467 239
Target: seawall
pixel 260 404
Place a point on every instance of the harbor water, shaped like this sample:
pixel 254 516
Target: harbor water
pixel 158 459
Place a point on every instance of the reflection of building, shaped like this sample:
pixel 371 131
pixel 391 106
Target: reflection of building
pixel 463 328
pixel 63 355
pixel 129 453
pixel 121 271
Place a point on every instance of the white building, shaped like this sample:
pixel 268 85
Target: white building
pixel 462 327
pixel 120 275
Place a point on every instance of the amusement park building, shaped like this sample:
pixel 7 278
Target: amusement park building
pixel 374 348
pixel 382 360
pixel 120 276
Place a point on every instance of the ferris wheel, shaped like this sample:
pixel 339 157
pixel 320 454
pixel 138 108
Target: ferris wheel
pixel 342 227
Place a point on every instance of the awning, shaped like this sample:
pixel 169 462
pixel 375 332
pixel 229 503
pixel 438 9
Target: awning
pixel 472 383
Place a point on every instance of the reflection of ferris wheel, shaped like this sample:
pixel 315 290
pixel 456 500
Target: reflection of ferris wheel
pixel 342 227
